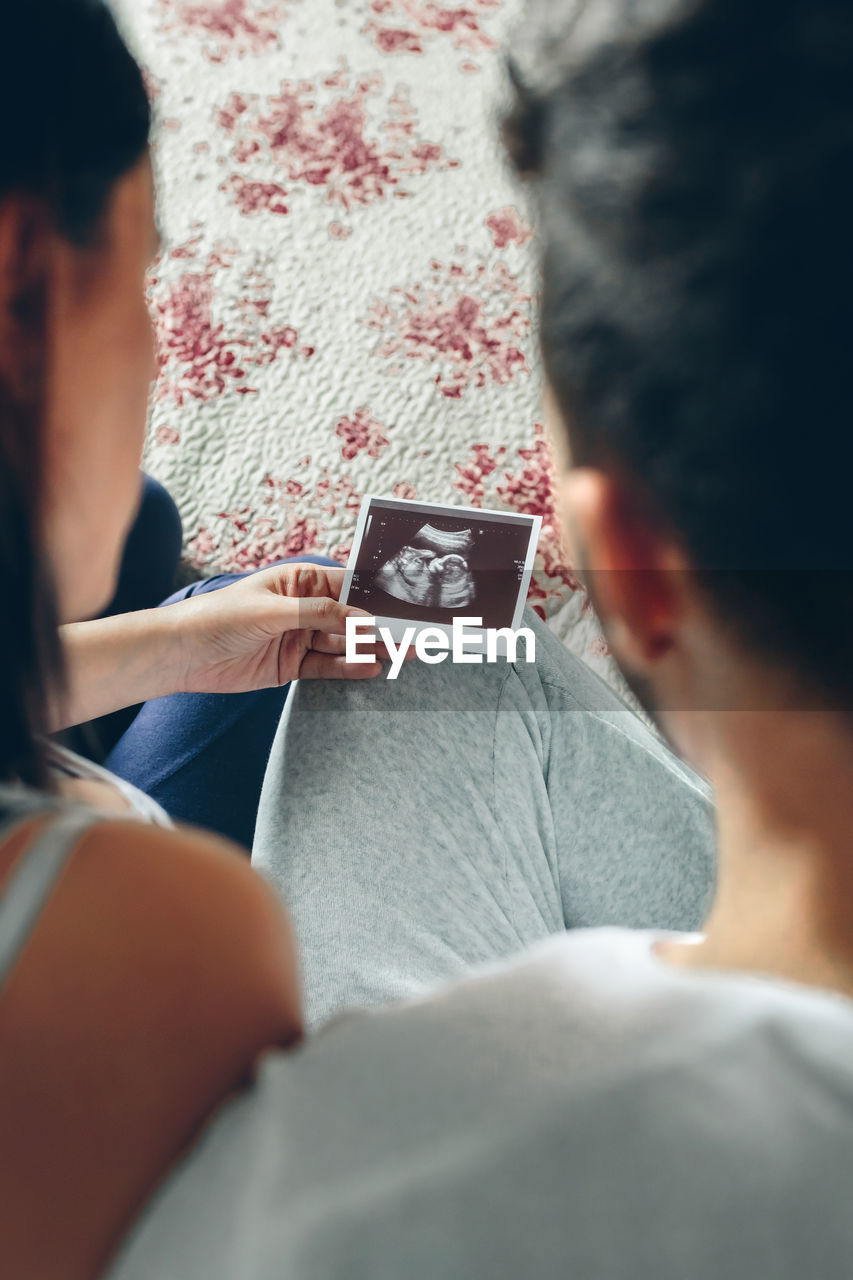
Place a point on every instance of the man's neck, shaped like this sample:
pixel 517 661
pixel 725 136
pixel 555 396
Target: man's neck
pixel 784 902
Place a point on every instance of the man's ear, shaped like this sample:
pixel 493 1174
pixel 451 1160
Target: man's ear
pixel 634 571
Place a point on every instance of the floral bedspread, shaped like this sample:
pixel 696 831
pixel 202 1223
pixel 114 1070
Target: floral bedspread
pixel 346 299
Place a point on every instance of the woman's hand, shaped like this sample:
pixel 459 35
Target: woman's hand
pixel 262 631
pixel 267 629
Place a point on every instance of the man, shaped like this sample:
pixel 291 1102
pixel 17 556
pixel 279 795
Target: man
pixel 612 1102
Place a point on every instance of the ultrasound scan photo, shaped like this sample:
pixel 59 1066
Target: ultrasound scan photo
pixel 433 570
pixel 430 564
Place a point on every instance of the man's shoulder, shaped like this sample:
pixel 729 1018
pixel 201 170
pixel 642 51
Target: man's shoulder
pixel 617 1013
pixel 580 1108
pixel 598 1068
pixel 577 1109
pixel 593 1014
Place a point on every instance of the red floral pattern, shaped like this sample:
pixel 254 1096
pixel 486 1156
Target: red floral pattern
pixel 253 537
pixel 530 489
pixel 253 197
pixel 403 26
pixel 329 145
pixel 507 227
pixel 226 26
pixel 199 357
pixel 361 432
pixel 469 323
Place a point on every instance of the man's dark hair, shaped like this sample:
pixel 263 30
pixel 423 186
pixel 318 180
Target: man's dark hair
pixel 74 117
pixel 693 171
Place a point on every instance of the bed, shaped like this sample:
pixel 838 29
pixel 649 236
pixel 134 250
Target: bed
pixel 345 302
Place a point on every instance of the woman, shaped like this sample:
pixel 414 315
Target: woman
pixel 160 965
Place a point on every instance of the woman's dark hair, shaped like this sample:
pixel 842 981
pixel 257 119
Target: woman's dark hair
pixel 692 162
pixel 74 117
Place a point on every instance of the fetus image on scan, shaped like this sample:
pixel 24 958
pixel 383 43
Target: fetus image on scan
pixel 432 570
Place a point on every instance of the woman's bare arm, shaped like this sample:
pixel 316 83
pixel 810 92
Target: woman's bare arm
pixel 265 630
pixel 117 662
pixel 160 969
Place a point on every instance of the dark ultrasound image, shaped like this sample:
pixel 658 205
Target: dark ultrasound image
pixel 427 567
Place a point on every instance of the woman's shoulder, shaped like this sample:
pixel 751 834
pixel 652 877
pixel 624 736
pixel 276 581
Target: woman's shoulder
pixel 159 969
pixel 181 910
pixel 168 889
pixel 176 891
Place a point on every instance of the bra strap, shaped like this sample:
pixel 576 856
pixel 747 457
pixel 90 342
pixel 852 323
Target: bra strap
pixel 25 894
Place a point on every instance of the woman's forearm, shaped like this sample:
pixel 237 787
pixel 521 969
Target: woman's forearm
pixel 117 662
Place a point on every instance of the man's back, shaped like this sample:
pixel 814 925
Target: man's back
pixel 583 1110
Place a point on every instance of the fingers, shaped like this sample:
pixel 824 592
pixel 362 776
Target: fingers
pixel 328 581
pixel 323 613
pixel 326 659
pixel 301 580
pixel 327 666
pixel 322 643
